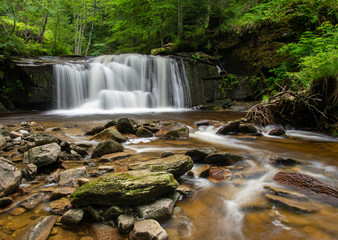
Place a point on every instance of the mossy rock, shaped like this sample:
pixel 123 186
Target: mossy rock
pixel 110 133
pixel 124 189
pixel 106 147
pixel 125 125
pixel 144 133
pixel 174 132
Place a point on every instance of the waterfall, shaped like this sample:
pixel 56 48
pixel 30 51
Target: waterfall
pixel 127 81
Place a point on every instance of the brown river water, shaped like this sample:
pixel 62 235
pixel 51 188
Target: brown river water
pixel 236 209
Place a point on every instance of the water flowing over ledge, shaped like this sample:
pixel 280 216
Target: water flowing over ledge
pixel 122 83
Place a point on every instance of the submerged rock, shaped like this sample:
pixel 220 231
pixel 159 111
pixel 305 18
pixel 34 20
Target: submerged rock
pixel 107 147
pixel 110 134
pixel 199 154
pixel 148 229
pixel 292 203
pixel 223 159
pixel 177 164
pixel 159 210
pixel 39 230
pixel 10 177
pixel 127 188
pixel 218 174
pixel 43 155
pixel 279 161
pixel 308 185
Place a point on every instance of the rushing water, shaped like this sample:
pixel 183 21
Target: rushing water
pixel 233 210
pixel 127 82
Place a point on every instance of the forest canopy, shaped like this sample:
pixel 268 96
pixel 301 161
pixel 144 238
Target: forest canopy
pixel 94 27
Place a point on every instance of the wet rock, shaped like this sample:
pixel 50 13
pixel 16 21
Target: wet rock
pixel 94 131
pixel 277 132
pixel 174 132
pixel 184 190
pixel 94 213
pixel 279 161
pixel 177 164
pixel 247 128
pixel 116 156
pixel 17 211
pixel 308 185
pixel 111 123
pixel 25 133
pixel 223 159
pixel 198 155
pixel 60 206
pixel 43 139
pixel 74 155
pixel 107 147
pixel 61 192
pixel 110 134
pixel 54 177
pixel 125 125
pixel 167 154
pixel 73 216
pixel 284 192
pixel 30 172
pixel 113 212
pixel 105 232
pixel 125 223
pixel 249 174
pixel 32 201
pixel 10 177
pixel 204 171
pixel 68 177
pixel 144 133
pixel 159 210
pixel 148 229
pixel 231 127
pixel 15 135
pixel 218 174
pixel 43 155
pixel 292 203
pixel 202 123
pixel 38 230
pixel 5 202
pixel 126 188
pixel 2 141
pixel 80 150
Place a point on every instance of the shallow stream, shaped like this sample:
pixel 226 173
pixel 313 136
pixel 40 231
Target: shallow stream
pixel 236 209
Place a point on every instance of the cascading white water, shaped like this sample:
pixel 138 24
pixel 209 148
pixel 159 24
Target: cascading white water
pixel 127 81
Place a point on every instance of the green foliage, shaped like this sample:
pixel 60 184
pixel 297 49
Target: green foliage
pixel 313 58
pixel 227 84
pixel 195 58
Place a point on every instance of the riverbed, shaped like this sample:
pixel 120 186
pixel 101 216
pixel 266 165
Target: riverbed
pixel 235 209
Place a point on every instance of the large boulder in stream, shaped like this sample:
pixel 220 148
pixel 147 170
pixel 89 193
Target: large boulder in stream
pixel 10 177
pixel 173 132
pixel 110 134
pixel 106 147
pixel 126 188
pixel 199 154
pixel 231 127
pixel 44 155
pixel 177 164
pixel 39 139
pixel 223 159
pixel 125 125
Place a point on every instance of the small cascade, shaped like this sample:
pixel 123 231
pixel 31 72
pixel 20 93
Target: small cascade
pixel 127 81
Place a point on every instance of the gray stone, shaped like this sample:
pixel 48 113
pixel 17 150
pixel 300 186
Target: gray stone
pixel 2 141
pixel 125 223
pixel 43 155
pixel 30 172
pixel 25 133
pixel 94 213
pixel 199 154
pixel 223 159
pixel 110 134
pixel 73 216
pixel 42 139
pixel 113 212
pixel 32 201
pixel 177 164
pixel 126 188
pixel 39 230
pixel 68 177
pixel 148 230
pixel 10 177
pixel 159 210
pixel 15 135
pixel 107 147
pixel 61 192
pixel 110 124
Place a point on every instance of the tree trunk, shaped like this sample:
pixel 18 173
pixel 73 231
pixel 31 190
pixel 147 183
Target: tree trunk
pixel 179 20
pixel 91 29
pixel 40 37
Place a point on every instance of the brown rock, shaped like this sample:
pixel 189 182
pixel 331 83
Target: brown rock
pixel 61 192
pixel 39 230
pixel 104 232
pixel 218 174
pixel 148 230
pixel 60 206
pixel 204 172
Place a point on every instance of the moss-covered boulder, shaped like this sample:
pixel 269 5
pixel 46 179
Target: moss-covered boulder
pixel 232 127
pixel 110 134
pixel 124 189
pixel 174 132
pixel 178 165
pixel 125 125
pixel 144 133
pixel 109 146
